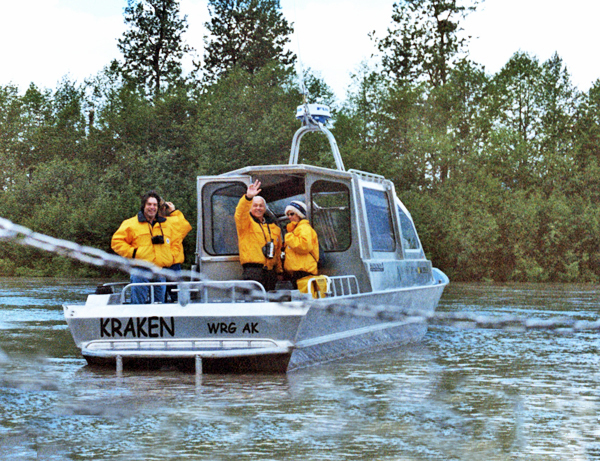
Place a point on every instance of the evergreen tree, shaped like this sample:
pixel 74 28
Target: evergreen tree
pixel 247 34
pixel 587 134
pixel 425 41
pixel 559 100
pixel 246 120
pixel 12 126
pixel 152 45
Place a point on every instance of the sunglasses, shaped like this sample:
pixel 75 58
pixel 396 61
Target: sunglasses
pixel 291 213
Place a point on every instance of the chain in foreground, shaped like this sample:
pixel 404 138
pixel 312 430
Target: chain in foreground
pixel 469 319
pixel 24 236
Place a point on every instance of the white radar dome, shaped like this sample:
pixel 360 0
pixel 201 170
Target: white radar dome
pixel 319 112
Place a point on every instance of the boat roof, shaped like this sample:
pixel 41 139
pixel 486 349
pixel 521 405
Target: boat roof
pixel 312 116
pixel 299 168
pixel 305 169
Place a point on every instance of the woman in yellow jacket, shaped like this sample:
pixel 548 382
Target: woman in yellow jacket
pixel 301 244
pixel 181 227
pixel 259 240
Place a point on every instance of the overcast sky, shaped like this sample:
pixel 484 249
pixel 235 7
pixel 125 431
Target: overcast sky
pixel 45 40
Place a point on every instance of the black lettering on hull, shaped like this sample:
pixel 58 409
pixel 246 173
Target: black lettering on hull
pixel 215 328
pixel 251 328
pixel 140 327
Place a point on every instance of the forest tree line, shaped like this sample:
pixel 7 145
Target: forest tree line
pixel 500 171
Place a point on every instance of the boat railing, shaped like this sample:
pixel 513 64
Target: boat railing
pixel 188 347
pixel 207 291
pixel 343 285
pixel 239 291
pixel 369 176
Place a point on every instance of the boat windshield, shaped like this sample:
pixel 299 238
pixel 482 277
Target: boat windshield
pixel 409 234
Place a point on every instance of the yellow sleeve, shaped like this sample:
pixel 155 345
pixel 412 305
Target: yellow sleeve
pixel 179 224
pixel 300 240
pixel 242 213
pixel 278 245
pixel 122 241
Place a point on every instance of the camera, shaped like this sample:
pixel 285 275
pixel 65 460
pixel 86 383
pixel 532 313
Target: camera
pixel 158 240
pixel 269 250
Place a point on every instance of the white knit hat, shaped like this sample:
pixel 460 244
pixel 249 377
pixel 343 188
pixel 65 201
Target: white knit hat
pixel 297 207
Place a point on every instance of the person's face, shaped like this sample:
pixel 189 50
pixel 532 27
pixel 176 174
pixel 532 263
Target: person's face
pixel 150 208
pixel 258 208
pixel 293 216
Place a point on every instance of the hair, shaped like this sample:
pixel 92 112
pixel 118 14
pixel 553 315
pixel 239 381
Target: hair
pixel 163 209
pixel 148 195
pixel 262 199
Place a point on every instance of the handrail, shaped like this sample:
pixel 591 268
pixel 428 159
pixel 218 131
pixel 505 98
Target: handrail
pixel 182 348
pixel 339 285
pixel 344 284
pixel 239 290
pixel 310 128
pixel 369 176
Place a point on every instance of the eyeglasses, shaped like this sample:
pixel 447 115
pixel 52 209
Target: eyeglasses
pixel 291 213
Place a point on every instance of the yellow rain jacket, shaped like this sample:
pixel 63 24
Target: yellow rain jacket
pixel 301 248
pixel 252 236
pixel 181 228
pixel 133 239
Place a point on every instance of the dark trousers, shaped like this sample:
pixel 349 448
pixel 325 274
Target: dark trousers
pixel 170 295
pixel 258 273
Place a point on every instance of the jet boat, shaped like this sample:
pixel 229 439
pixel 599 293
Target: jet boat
pixel 375 287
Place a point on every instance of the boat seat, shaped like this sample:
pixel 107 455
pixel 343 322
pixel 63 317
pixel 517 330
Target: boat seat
pixel 319 286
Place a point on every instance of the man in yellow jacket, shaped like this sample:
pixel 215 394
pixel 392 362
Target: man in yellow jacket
pixel 146 236
pixel 259 240
pixel 301 244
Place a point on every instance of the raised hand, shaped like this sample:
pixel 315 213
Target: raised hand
pixel 170 207
pixel 253 189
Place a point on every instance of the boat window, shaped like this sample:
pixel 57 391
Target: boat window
pixel 379 217
pixel 409 234
pixel 331 215
pixel 219 202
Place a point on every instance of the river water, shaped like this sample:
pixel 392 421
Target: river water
pixel 461 394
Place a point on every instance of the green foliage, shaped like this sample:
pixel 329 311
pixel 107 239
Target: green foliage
pixel 500 172
pixel 153 46
pixel 12 126
pixel 425 41
pixel 498 191
pixel 247 35
pixel 246 119
pixel 317 91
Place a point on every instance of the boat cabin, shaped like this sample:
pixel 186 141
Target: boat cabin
pixel 363 228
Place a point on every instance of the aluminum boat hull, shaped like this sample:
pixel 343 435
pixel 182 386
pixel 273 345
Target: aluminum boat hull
pixel 249 337
pixel 375 288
